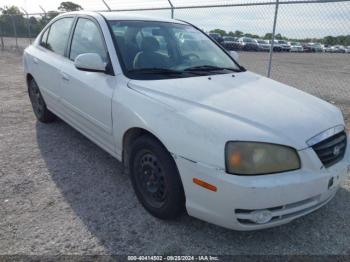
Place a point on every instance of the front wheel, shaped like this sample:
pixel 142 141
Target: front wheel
pixel 39 106
pixel 155 178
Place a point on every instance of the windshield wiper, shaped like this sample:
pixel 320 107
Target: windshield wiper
pixel 209 68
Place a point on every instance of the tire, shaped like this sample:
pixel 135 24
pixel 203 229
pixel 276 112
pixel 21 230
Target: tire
pixel 155 178
pixel 38 104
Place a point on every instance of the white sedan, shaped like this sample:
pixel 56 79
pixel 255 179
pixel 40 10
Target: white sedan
pixel 347 50
pixel 295 47
pixel 194 129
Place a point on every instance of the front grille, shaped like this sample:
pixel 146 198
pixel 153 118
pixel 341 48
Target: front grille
pixel 331 150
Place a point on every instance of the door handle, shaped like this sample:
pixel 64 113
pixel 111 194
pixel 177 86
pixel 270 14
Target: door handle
pixel 36 60
pixel 64 76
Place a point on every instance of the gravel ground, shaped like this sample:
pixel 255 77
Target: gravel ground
pixel 61 194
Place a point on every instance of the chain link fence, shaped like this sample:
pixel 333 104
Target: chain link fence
pixel 305 44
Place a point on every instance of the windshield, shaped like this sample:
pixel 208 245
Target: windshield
pixel 158 50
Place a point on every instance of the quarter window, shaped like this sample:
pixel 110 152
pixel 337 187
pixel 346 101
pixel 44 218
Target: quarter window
pixel 87 39
pixel 59 34
pixel 44 38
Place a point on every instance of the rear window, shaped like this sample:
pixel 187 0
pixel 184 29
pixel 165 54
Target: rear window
pixel 59 34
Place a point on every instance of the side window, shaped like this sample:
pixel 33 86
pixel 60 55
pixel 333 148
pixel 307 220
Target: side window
pixel 43 39
pixel 58 35
pixel 87 38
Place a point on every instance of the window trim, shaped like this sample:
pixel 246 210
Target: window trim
pixel 70 40
pixel 48 27
pixel 42 35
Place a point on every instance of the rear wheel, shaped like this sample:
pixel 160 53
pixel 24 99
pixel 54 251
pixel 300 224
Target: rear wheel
pixel 39 106
pixel 155 178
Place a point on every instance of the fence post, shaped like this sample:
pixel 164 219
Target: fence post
pixel 105 3
pixel 172 9
pixel 273 38
pixel 28 26
pixel 14 29
pixel 1 38
pixel 44 13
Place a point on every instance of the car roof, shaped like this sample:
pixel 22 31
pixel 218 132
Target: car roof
pixel 114 15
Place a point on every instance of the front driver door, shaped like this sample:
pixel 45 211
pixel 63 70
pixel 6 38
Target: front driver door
pixel 86 97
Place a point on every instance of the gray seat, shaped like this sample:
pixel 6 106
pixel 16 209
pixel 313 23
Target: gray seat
pixel 148 57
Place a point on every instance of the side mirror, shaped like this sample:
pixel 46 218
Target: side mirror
pixel 90 62
pixel 234 55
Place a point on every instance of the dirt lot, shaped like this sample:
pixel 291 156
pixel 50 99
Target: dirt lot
pixel 61 194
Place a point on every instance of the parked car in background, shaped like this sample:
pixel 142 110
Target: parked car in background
pixel 307 47
pixel 284 45
pixel 217 37
pixel 316 47
pixel 231 43
pixel 295 47
pixel 347 49
pixel 338 49
pixel 182 121
pixel 230 38
pixel 264 45
pixel 327 48
pixel 276 46
pixel 248 44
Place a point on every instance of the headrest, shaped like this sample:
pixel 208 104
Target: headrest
pixel 149 44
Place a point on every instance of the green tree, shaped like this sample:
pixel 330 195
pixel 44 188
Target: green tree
pixel 12 22
pixel 238 33
pixel 251 35
pixel 219 31
pixel 329 40
pixel 10 10
pixel 69 6
pixel 268 36
pixel 278 36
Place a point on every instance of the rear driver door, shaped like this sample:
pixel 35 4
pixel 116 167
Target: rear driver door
pixel 49 57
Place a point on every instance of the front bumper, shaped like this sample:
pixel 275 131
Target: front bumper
pixel 286 196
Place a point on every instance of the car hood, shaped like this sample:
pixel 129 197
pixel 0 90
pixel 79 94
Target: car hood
pixel 259 102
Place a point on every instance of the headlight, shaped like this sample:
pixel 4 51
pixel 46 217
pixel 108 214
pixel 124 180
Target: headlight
pixel 255 158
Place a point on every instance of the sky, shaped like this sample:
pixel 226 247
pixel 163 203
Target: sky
pixel 295 21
